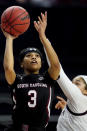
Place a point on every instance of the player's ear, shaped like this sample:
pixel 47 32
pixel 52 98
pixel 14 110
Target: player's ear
pixel 21 64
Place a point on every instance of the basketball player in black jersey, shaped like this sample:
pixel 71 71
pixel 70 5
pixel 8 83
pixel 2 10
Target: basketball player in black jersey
pixel 31 91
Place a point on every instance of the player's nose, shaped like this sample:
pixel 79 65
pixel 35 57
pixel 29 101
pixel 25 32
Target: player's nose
pixel 33 57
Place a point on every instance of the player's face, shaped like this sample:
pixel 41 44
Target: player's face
pixel 32 62
pixel 79 82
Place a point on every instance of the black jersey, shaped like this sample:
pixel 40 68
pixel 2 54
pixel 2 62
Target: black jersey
pixel 32 97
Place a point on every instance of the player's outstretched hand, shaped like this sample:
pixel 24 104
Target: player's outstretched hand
pixel 61 103
pixel 41 24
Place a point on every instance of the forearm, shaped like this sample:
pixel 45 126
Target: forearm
pixel 8 56
pixel 51 54
pixel 69 89
pixel 54 66
pixel 48 62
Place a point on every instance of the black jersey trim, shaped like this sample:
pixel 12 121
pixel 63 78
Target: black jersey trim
pixel 58 77
pixel 76 114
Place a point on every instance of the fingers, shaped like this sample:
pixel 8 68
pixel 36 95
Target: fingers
pixel 60 98
pixel 44 16
pixel 41 24
pixel 36 25
pixel 7 35
pixel 40 21
pixel 58 105
pixel 61 103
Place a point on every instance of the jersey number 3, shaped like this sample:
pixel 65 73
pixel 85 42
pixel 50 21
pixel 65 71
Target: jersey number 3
pixel 33 96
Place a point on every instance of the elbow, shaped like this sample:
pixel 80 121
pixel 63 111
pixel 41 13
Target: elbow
pixel 7 67
pixel 56 71
pixel 56 66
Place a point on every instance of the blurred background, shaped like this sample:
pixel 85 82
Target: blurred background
pixel 67 31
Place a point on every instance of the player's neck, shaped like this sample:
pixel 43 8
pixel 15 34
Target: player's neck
pixel 31 72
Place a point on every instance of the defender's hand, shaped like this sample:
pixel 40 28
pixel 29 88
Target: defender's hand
pixel 61 103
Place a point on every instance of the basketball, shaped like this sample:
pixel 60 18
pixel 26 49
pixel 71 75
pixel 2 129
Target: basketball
pixel 15 20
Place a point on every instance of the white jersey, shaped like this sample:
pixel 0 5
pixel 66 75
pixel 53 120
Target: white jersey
pixel 77 103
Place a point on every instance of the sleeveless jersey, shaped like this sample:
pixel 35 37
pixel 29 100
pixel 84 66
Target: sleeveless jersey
pixel 32 97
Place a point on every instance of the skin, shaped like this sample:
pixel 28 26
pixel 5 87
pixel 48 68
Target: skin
pixel 31 63
pixel 61 103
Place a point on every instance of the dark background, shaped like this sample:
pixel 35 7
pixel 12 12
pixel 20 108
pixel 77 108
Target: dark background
pixel 67 31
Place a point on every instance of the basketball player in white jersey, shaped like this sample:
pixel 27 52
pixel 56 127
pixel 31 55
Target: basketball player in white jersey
pixel 74 116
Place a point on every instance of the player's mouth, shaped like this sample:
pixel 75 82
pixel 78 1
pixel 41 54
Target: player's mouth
pixel 34 62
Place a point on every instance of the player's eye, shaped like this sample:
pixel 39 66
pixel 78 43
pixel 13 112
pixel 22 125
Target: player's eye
pixel 37 55
pixel 28 55
pixel 77 83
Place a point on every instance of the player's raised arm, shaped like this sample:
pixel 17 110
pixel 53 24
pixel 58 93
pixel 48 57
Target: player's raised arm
pixel 40 26
pixel 9 59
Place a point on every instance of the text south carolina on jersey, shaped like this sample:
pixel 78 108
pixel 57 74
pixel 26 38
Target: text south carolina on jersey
pixel 31 85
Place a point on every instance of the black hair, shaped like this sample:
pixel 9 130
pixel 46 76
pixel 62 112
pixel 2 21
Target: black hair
pixel 28 50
